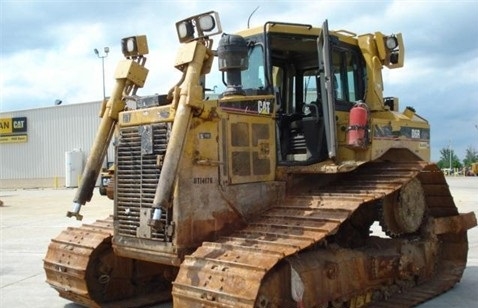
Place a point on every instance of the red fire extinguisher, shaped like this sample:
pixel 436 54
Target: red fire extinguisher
pixel 357 131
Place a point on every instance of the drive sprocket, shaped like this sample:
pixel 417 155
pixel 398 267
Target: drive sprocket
pixel 404 209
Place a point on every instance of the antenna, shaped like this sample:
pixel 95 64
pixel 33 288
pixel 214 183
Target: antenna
pixel 249 19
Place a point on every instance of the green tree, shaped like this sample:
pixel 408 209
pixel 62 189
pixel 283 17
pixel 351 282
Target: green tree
pixel 448 157
pixel 470 157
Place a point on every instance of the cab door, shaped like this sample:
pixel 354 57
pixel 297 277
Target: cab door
pixel 327 90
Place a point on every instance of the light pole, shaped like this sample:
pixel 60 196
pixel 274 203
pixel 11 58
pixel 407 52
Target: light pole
pixel 449 152
pixel 106 50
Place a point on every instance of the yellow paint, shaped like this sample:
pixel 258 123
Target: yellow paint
pixel 14 139
pixel 6 126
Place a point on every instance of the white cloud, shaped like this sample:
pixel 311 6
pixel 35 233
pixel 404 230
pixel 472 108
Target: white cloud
pixel 50 51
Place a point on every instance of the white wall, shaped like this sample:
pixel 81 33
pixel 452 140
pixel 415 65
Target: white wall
pixel 52 131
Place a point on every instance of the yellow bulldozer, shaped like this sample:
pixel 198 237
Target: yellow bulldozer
pixel 257 179
pixel 474 168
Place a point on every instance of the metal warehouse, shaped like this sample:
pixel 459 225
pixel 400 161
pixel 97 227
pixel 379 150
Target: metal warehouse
pixel 46 147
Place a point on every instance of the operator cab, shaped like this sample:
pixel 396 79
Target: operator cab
pixel 284 61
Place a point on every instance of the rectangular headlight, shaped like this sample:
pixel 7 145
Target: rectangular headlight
pixel 198 26
pixel 134 46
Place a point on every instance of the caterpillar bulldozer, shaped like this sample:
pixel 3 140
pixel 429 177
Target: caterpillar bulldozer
pixel 474 168
pixel 257 180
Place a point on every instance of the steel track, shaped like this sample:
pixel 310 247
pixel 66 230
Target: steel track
pixel 229 272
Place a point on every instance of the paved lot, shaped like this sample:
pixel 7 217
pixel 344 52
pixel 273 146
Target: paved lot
pixel 30 218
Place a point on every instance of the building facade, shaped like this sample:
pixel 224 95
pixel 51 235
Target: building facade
pixel 35 144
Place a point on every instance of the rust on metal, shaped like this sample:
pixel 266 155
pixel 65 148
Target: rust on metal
pixel 81 265
pixel 250 267
pixel 321 235
pixel 454 224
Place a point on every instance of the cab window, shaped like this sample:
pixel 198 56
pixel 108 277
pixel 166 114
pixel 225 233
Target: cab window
pixel 253 77
pixel 348 80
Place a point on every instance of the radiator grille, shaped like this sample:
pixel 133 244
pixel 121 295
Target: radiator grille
pixel 139 151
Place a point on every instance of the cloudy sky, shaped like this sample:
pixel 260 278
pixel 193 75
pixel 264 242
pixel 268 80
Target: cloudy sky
pixel 47 50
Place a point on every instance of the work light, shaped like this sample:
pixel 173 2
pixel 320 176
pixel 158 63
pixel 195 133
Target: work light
pixel 198 26
pixel 134 46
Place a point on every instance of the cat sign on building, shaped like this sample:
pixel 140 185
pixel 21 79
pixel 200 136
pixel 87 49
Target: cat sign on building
pixel 13 130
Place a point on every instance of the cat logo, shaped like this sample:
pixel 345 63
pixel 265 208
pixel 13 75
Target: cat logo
pixel 13 125
pixel 264 107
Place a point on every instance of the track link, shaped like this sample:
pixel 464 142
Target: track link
pixel 452 261
pixel 81 265
pixel 68 256
pixel 229 272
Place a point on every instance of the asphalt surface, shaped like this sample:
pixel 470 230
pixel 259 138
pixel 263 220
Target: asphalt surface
pixel 30 218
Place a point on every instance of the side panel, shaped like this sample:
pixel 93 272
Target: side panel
pixel 395 130
pixel 205 207
pixel 249 149
pixel 247 140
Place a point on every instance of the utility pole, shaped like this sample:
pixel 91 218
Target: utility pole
pixel 449 152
